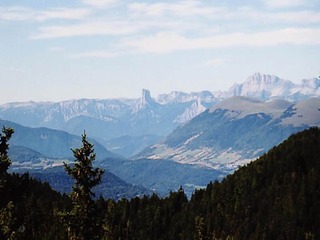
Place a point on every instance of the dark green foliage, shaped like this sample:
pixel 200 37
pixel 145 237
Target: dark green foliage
pixel 81 221
pixel 275 197
pixel 29 210
pixel 147 217
pixel 4 159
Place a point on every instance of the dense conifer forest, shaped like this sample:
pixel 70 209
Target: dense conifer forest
pixel 275 197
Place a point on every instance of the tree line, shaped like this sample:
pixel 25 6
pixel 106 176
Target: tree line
pixel 275 197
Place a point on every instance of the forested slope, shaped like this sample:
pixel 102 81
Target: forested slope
pixel 275 197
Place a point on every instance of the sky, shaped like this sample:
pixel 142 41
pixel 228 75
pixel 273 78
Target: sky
pixel 54 50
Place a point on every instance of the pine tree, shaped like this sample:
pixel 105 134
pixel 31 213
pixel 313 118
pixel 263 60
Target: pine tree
pixel 82 219
pixel 6 208
pixel 5 162
pixel 4 158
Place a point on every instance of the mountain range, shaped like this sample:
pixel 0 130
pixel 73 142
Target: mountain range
pixel 267 87
pixel 157 117
pixel 176 139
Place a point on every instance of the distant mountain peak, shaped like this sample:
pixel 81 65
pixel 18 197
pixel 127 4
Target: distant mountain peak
pixel 262 86
pixel 146 97
pixel 263 79
pixel 145 101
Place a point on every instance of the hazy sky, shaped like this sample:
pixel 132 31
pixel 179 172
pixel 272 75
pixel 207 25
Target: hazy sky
pixel 54 50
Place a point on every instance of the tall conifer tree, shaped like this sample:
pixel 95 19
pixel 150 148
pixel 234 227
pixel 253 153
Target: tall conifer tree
pixel 81 220
pixel 6 206
pixel 4 158
pixel 5 162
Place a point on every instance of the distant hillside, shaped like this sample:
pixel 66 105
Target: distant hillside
pixel 48 142
pixel 162 176
pixel 111 186
pixel 234 131
pixel 128 146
